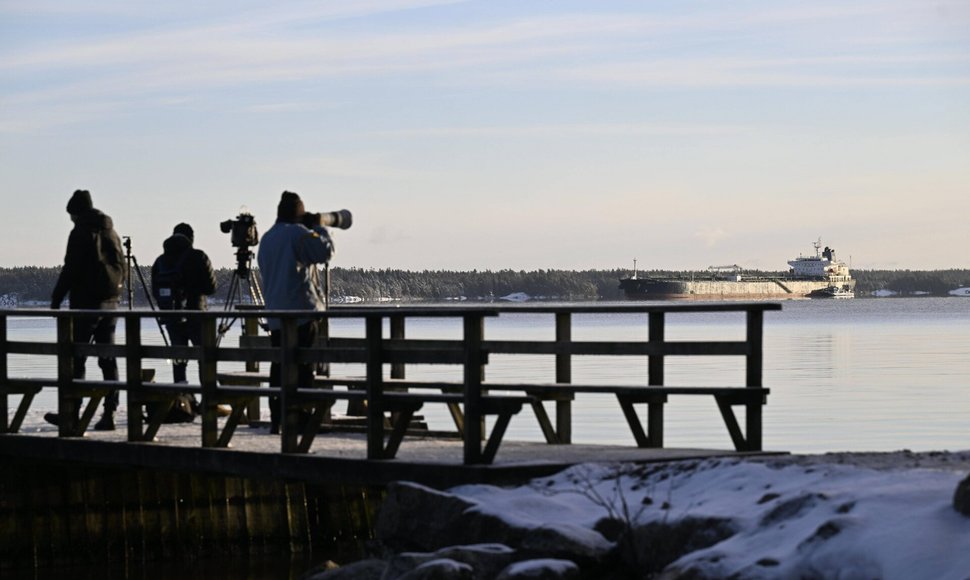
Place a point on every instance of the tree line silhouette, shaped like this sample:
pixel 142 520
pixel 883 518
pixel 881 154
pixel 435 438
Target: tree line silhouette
pixel 31 285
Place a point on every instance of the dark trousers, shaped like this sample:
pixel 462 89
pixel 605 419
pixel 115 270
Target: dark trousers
pixel 180 334
pixel 306 335
pixel 101 330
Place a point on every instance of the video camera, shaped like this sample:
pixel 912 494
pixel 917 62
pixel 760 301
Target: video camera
pixel 242 230
pixel 333 219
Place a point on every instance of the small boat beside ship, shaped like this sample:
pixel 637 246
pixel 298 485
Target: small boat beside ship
pixel 818 276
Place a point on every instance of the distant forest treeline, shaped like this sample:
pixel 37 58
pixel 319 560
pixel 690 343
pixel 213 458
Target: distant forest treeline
pixel 32 285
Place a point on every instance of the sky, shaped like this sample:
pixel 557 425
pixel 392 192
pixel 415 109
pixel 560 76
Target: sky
pixel 497 134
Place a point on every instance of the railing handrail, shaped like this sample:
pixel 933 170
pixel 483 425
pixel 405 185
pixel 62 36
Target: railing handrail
pixel 419 311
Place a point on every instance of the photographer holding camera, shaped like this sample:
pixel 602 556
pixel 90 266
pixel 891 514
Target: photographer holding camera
pixel 288 256
pixel 182 277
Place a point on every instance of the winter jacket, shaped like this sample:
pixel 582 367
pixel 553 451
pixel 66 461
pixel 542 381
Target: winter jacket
pixel 198 279
pixel 80 262
pixel 288 257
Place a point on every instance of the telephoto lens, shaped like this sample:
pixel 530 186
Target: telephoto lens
pixel 342 219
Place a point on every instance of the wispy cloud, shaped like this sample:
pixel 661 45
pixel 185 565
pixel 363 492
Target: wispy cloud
pixel 205 51
pixel 573 129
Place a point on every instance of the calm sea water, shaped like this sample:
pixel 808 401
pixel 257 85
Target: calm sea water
pixel 859 375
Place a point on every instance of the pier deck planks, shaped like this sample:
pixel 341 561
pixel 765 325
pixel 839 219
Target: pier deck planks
pixel 336 457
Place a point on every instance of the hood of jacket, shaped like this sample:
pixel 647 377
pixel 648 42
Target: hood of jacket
pixel 94 220
pixel 175 245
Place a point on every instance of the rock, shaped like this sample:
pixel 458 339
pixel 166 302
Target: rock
pixel 485 560
pixel 566 542
pixel 655 545
pixel 371 569
pixel 961 497
pixel 417 518
pixel 441 569
pixel 542 569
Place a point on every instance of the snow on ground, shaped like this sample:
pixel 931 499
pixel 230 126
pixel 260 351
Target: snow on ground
pixel 885 515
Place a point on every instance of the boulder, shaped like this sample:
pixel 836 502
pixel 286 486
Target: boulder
pixel 417 518
pixel 541 569
pixel 441 569
pixel 961 497
pixel 371 569
pixel 485 560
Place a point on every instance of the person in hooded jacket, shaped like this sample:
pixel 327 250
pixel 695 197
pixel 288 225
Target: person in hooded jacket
pixel 92 230
pixel 195 280
pixel 288 256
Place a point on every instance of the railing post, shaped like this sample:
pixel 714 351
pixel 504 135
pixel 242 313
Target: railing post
pixel 755 346
pixel 250 327
pixel 753 372
pixel 374 328
pixel 133 365
pixel 289 382
pixel 655 370
pixel 564 374
pixel 208 367
pixel 4 405
pixel 397 333
pixel 68 403
pixel 474 334
pixel 655 377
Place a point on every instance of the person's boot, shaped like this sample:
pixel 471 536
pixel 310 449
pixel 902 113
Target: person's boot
pixel 53 418
pixel 107 422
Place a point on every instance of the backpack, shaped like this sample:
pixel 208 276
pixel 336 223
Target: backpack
pixel 108 273
pixel 184 409
pixel 168 284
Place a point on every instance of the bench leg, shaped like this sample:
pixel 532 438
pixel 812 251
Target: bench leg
pixel 89 412
pixel 400 429
pixel 155 418
pixel 495 439
pixel 548 431
pixel 320 411
pixel 734 429
pixel 633 420
pixel 653 437
pixel 231 423
pixel 458 417
pixel 18 417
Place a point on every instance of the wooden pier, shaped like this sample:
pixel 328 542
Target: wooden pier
pixel 386 396
pixel 389 399
pixel 62 487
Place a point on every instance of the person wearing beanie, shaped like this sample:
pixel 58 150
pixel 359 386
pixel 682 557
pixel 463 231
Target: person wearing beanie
pixel 288 257
pixel 186 230
pixel 92 277
pixel 182 278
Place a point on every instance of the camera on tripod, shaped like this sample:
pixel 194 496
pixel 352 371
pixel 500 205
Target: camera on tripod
pixel 332 219
pixel 242 230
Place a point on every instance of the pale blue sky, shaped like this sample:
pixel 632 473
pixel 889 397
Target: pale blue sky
pixel 501 134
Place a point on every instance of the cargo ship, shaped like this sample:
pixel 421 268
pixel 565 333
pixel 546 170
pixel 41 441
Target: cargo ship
pixel 818 276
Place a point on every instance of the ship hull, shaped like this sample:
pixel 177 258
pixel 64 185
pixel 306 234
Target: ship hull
pixel 762 289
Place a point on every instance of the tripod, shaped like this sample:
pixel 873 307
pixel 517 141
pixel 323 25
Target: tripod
pixel 242 280
pixel 131 260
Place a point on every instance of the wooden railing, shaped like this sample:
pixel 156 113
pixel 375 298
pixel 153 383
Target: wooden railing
pixel 393 397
